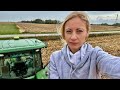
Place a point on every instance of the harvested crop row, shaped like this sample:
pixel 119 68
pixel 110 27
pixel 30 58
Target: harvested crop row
pixel 40 28
pixel 37 28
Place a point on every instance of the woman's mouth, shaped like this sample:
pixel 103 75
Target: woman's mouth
pixel 73 43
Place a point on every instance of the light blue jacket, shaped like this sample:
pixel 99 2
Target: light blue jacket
pixel 94 63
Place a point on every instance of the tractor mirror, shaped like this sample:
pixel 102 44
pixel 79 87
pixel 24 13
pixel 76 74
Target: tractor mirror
pixel 1 55
pixel 37 50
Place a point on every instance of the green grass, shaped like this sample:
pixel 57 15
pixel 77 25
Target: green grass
pixel 8 29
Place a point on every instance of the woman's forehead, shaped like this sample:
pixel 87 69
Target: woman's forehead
pixel 75 22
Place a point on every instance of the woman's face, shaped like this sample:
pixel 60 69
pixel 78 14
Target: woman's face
pixel 75 33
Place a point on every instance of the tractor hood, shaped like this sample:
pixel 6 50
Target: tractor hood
pixel 14 45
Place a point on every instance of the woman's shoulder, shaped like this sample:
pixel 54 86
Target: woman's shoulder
pixel 56 56
pixel 61 51
pixel 96 48
pixel 56 53
pixel 97 51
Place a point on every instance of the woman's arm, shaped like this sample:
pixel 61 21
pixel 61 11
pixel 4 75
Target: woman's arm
pixel 53 73
pixel 108 65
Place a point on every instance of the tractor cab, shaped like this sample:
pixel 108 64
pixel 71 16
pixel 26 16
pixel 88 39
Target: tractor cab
pixel 21 59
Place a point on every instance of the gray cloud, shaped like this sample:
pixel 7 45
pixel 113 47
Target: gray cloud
pixel 30 15
pixel 102 12
pixel 95 16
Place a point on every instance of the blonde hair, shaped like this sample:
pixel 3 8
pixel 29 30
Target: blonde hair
pixel 82 15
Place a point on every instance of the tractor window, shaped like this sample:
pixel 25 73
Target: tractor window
pixel 22 64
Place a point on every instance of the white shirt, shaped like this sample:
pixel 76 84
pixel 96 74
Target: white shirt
pixel 76 57
pixel 73 58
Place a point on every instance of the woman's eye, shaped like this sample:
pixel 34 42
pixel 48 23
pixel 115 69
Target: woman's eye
pixel 79 31
pixel 68 31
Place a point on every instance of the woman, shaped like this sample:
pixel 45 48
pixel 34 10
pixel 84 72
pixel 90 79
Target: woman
pixel 78 59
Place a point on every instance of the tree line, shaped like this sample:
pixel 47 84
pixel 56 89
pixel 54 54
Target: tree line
pixel 115 24
pixel 49 21
pixel 40 21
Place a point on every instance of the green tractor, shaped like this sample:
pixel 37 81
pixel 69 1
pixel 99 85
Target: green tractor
pixel 21 59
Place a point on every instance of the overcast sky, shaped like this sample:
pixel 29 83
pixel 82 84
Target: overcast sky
pixel 95 16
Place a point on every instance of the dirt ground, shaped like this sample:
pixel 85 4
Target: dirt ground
pixel 38 28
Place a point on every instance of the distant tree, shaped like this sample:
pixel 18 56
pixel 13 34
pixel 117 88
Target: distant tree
pixel 26 21
pixel 40 21
pixel 52 21
pixel 104 24
pixel 116 24
pixel 47 21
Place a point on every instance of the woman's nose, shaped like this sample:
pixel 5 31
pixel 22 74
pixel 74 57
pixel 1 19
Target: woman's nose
pixel 73 36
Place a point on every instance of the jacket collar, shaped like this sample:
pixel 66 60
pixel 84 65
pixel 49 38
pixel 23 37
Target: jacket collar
pixel 85 52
